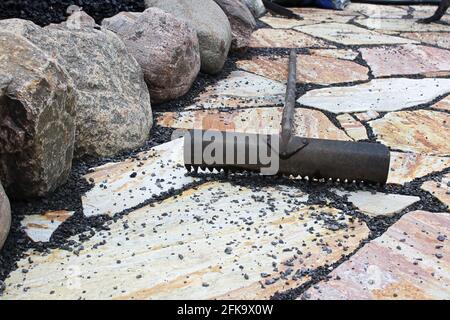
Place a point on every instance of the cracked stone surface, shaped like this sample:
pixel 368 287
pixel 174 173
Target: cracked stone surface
pixel 309 19
pixel 403 263
pixel 348 34
pixel 366 116
pixel 352 127
pixel 420 131
pixel 241 89
pixel 439 189
pixel 189 251
pixel 308 123
pixel 311 69
pixel 407 166
pixel 440 39
pixel 40 228
pixel 406 25
pixel 407 59
pixel 443 104
pixel 376 204
pixel 280 38
pixel 377 11
pixel 346 54
pixel 122 185
pixel 377 95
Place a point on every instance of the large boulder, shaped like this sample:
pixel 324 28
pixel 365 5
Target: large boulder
pixel 113 110
pixel 242 22
pixel 5 216
pixel 256 7
pixel 212 26
pixel 166 48
pixel 37 118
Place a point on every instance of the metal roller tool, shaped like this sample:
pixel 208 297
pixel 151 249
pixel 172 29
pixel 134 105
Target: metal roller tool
pixel 285 153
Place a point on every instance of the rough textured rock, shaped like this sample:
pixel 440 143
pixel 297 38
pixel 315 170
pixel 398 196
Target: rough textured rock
pixel 407 262
pixel 407 59
pixel 348 34
pixel 241 20
pixel 377 95
pixel 310 69
pixel 5 216
pixel 37 119
pixel 308 123
pixel 166 48
pixel 281 38
pixel 256 7
pixel 210 22
pixel 113 104
pixel 420 131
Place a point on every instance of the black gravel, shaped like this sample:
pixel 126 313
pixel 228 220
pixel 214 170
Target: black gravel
pixel 44 12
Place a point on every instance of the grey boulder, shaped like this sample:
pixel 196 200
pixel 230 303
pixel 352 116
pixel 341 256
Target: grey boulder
pixel 242 22
pixel 212 26
pixel 5 216
pixel 37 118
pixel 113 109
pixel 166 48
pixel 256 7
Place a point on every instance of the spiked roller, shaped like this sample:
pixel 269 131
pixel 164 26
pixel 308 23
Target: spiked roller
pixel 285 153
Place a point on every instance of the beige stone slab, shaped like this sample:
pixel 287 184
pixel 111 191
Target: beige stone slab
pixel 377 95
pixel 405 167
pixel 377 11
pixel 214 241
pixel 306 12
pixel 444 104
pixel 440 39
pixel 280 38
pixel 421 131
pixel 401 264
pixel 308 123
pixel 348 34
pixel 40 227
pixel 241 89
pixel 353 127
pixel 421 12
pixel 117 189
pixel 345 54
pixel 283 23
pixel 378 204
pixel 440 189
pixel 404 25
pixel 310 69
pixel 407 59
pixel 366 116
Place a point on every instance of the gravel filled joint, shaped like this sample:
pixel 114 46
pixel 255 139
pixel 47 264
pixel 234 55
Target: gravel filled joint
pixel 95 190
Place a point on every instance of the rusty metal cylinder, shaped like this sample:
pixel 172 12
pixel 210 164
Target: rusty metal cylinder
pixel 314 158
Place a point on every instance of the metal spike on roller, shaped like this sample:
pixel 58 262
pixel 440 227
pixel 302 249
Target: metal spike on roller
pixel 285 153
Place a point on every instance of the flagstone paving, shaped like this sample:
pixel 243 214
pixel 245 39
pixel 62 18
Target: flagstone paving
pixel 146 229
pixel 411 260
pixel 311 69
pixel 422 131
pixel 348 34
pixel 308 123
pixel 378 11
pixel 377 95
pixel 443 104
pixel 40 228
pixel 241 89
pixel 280 38
pixel 407 59
pixel 405 25
pixel 352 127
pixel 440 39
pixel 186 247
pixel 376 204
pixel 407 166
pixel 439 189
pixel 346 54
pixel 123 185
